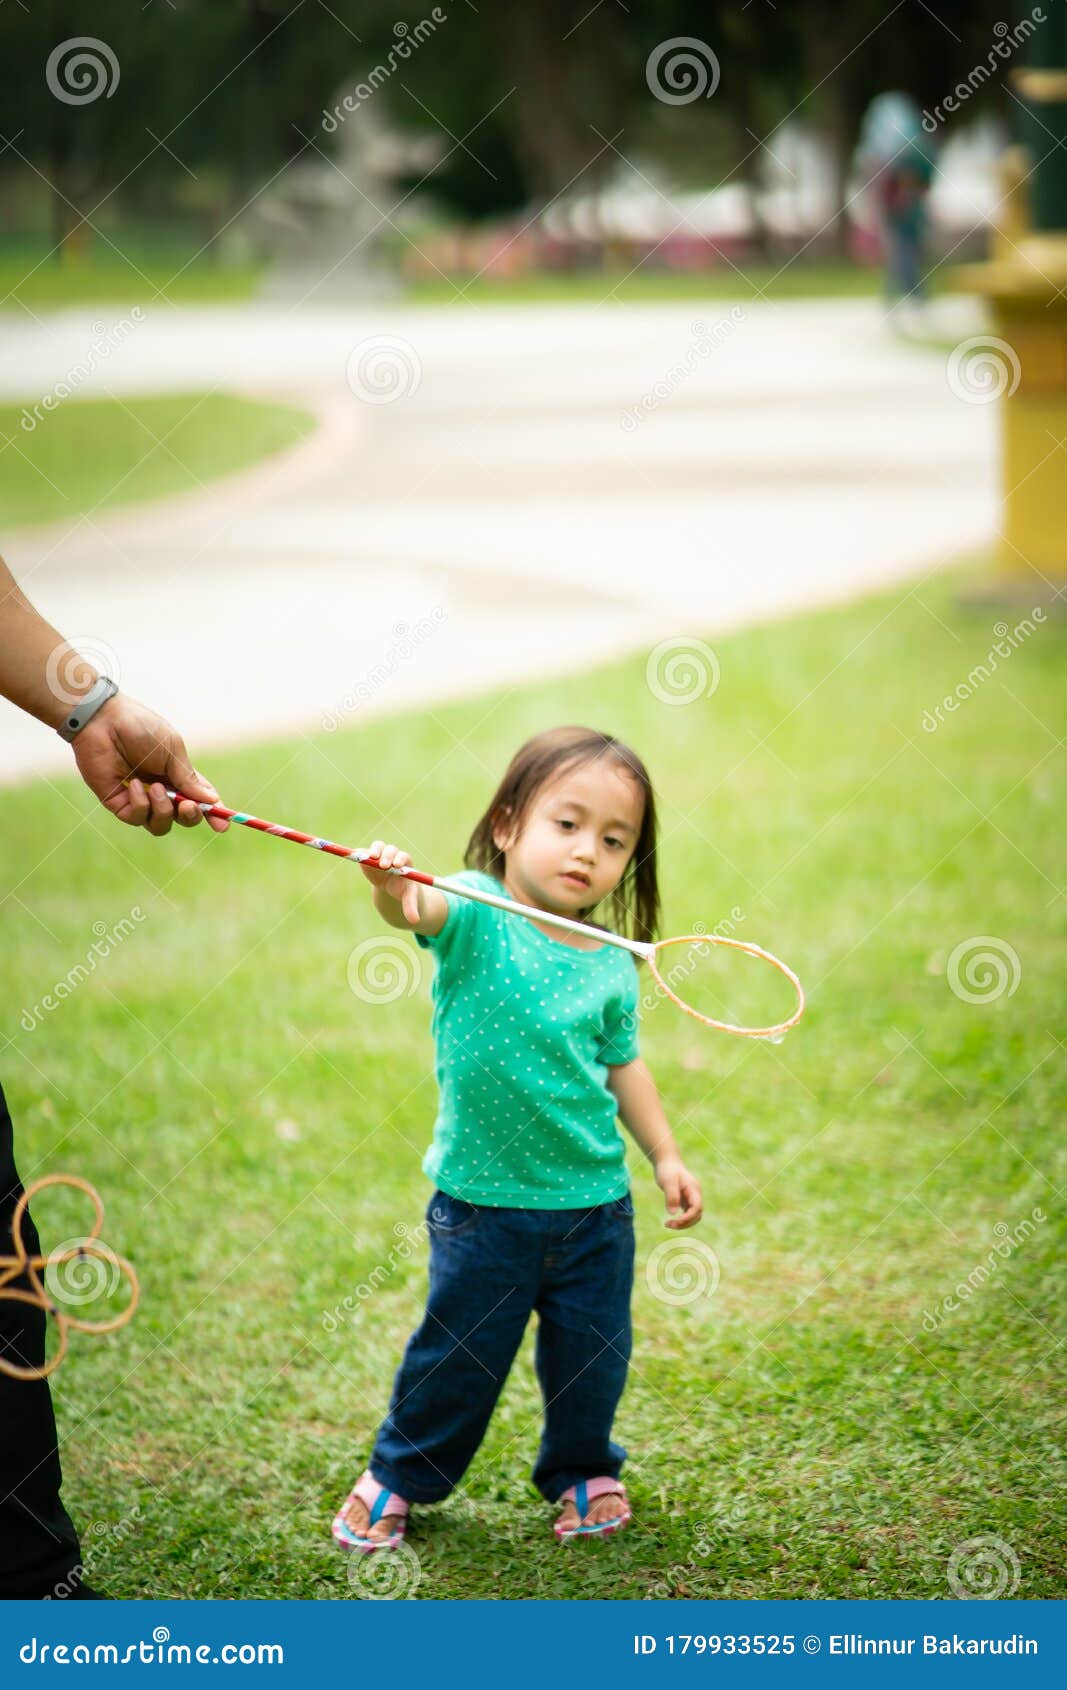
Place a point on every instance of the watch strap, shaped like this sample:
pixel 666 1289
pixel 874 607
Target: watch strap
pixel 85 708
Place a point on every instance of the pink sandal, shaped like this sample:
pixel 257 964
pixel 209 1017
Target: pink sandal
pixel 582 1494
pixel 380 1502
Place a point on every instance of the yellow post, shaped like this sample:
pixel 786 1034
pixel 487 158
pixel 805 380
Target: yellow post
pixel 1028 295
pixel 1026 285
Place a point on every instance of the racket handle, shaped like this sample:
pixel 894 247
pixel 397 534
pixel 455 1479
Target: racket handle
pixel 327 845
pixel 408 873
pixel 362 856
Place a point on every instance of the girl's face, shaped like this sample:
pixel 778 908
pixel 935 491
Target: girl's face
pixel 576 841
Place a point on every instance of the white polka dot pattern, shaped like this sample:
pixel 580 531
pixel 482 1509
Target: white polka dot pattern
pixel 524 1027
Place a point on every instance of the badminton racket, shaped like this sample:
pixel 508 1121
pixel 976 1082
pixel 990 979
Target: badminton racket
pixel 653 952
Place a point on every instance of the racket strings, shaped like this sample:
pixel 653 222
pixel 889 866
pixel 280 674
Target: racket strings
pixel 704 974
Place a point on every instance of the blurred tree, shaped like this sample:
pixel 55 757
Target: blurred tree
pixel 213 97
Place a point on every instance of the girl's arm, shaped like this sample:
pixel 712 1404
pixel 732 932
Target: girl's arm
pixel 641 1113
pixel 401 902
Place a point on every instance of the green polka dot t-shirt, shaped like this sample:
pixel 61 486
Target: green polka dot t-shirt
pixel 525 1029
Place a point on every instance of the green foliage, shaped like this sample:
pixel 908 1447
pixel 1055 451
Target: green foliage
pixel 216 96
pixel 751 281
pixel 89 453
pixel 125 269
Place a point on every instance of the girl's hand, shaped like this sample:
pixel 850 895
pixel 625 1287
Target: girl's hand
pixel 680 1189
pixel 398 886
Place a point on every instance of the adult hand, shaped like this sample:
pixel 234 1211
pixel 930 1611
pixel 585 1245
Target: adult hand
pixel 125 740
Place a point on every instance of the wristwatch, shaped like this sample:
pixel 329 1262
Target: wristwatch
pixel 86 708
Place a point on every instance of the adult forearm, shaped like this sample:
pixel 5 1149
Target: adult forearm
pixel 34 656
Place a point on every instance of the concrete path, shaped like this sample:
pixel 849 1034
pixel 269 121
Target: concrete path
pixel 548 486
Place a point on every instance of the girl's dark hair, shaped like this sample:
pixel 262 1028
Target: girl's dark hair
pixel 635 901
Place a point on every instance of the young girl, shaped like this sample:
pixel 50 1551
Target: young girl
pixel 536 1046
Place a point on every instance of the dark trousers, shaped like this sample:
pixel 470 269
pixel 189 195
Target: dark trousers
pixel 489 1270
pixel 904 277
pixel 38 1544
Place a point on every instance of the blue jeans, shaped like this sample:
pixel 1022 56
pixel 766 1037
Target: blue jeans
pixel 904 277
pixel 489 1268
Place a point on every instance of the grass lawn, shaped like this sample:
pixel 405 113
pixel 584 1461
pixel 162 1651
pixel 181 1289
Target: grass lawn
pixel 786 280
pixel 820 1425
pixel 129 271
pixel 89 453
